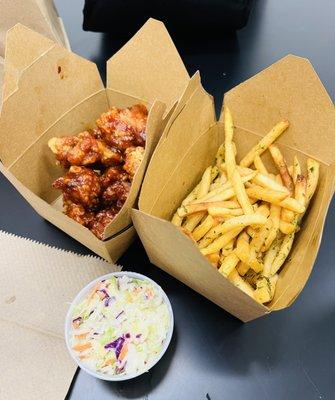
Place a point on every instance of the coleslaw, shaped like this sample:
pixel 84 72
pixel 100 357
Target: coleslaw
pixel 120 327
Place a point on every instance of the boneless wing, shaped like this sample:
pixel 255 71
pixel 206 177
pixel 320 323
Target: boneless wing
pixel 133 159
pixel 80 185
pixel 84 149
pixel 124 127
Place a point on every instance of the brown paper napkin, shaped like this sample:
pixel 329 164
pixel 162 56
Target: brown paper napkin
pixel 37 285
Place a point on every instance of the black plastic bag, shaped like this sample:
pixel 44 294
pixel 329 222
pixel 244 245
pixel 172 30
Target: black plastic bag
pixel 183 18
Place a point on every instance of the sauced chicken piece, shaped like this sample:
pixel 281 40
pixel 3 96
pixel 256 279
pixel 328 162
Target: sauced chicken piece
pixel 116 186
pixel 116 193
pixel 113 174
pixel 122 128
pixel 133 159
pixel 80 185
pixel 77 212
pixel 84 149
pixel 102 219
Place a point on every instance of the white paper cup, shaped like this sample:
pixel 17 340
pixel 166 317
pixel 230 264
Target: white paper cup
pixel 79 298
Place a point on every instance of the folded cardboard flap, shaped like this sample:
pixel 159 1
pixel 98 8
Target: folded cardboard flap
pixel 39 100
pixel 27 12
pixel 255 109
pixel 158 72
pixel 193 115
pixel 289 89
pixel 23 47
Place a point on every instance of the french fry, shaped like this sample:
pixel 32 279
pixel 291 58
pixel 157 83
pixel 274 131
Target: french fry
pixel 203 228
pixel 251 277
pixel 204 183
pixel 215 172
pixel 282 167
pixel 296 169
pixel 214 259
pixel 195 208
pixel 259 238
pixel 227 249
pixel 264 210
pixel 264 143
pixel 263 290
pixel 229 148
pixel 228 264
pixel 242 268
pixel 275 217
pixel 239 222
pixel 244 253
pixel 300 189
pixel 241 194
pixel 193 220
pixel 270 256
pixel 251 231
pixel 287 227
pixel 258 163
pixel 219 190
pixel 218 182
pixel 239 282
pixel 292 204
pixel 267 182
pixel 224 212
pixel 219 158
pixel 220 242
pixel 313 171
pixel 287 215
pixel 283 252
pixel 177 219
pixel 244 171
pixel 273 281
pixel 271 196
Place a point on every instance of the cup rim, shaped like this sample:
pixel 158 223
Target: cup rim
pixel 81 294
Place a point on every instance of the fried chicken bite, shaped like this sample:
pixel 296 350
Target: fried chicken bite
pixel 116 185
pixel 102 219
pixel 122 128
pixel 133 159
pixel 83 150
pixel 80 185
pixel 78 212
pixel 116 193
pixel 113 174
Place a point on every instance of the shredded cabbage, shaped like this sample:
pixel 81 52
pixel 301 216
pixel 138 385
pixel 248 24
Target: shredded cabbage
pixel 120 327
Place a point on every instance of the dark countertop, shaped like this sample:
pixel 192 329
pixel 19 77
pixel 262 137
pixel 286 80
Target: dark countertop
pixel 287 355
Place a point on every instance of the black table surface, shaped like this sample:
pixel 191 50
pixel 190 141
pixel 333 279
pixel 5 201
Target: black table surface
pixel 287 355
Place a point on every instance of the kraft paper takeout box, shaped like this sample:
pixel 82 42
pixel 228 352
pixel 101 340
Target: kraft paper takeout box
pixel 289 89
pixel 54 92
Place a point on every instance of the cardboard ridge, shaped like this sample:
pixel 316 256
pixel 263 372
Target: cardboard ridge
pixel 288 89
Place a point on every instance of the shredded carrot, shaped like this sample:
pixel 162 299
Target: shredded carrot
pixel 82 347
pixel 123 352
pixel 81 336
pixel 110 361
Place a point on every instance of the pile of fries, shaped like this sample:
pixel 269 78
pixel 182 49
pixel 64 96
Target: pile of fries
pixel 244 219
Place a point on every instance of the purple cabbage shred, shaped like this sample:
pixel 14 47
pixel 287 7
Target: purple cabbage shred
pixel 116 345
pixel 119 314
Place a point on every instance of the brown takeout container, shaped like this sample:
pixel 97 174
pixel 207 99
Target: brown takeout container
pixel 289 89
pixel 49 91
